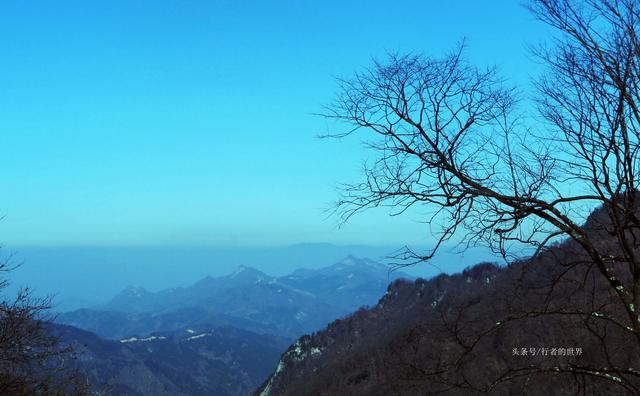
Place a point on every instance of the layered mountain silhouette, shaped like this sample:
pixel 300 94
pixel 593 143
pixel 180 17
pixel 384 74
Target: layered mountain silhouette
pixel 221 361
pixel 219 336
pixel 304 301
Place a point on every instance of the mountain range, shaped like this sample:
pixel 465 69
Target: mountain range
pixel 219 336
pixel 304 301
pixel 221 361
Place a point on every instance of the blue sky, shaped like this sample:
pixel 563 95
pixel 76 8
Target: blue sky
pixel 191 122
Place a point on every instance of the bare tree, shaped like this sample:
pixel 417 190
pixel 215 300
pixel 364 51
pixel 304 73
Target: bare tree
pixel 453 138
pixel 32 359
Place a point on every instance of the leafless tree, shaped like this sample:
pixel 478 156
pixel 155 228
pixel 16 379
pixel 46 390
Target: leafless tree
pixel 32 359
pixel 455 139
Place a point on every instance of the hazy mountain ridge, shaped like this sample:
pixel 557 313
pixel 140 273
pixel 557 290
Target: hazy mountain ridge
pixel 117 325
pixel 301 302
pixel 218 361
pixel 214 337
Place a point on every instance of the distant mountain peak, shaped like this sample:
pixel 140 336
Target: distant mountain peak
pixel 135 291
pixel 241 268
pixel 245 272
pixel 350 260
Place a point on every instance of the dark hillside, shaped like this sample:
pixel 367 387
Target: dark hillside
pixel 488 329
pixel 224 361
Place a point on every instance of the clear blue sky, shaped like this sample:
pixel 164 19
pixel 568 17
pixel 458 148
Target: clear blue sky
pixel 190 122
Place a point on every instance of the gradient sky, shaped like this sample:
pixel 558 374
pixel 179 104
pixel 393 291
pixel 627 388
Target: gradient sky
pixel 191 122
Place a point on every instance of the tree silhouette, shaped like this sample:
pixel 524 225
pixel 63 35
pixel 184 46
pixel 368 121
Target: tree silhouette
pixel 453 138
pixel 32 359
